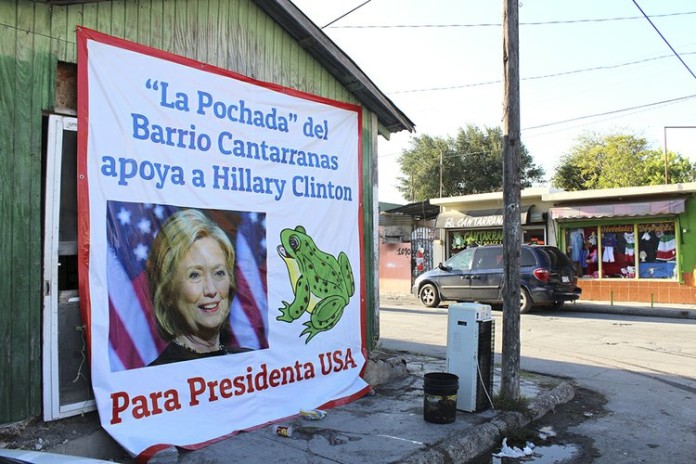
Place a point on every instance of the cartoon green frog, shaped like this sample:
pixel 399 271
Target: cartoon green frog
pixel 322 285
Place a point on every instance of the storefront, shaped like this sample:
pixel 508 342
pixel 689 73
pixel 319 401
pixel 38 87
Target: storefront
pixel 485 227
pixel 629 244
pixel 476 220
pixel 619 246
pixel 635 245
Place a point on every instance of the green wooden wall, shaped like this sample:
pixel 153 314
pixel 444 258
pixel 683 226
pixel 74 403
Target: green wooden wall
pixel 34 37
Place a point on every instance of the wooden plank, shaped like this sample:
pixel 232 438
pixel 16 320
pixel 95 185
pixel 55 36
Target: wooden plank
pixel 43 91
pixel 168 12
pixel 213 39
pixel 250 50
pixel 59 26
pixel 8 41
pixel 371 248
pixel 192 34
pixel 156 24
pixel 105 19
pixel 293 57
pixel 118 19
pixel 44 60
pixel 264 42
pixel 74 18
pixel 203 29
pixel 131 22
pixel 143 23
pixel 245 20
pixel 222 33
pixel 181 28
pixel 278 47
pixel 26 336
pixel 90 19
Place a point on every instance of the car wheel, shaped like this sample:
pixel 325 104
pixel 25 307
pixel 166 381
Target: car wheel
pixel 525 301
pixel 429 296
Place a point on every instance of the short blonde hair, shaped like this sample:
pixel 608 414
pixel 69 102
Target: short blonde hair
pixel 173 241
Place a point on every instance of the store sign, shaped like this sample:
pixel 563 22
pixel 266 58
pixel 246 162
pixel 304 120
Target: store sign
pixel 453 219
pixel 220 247
pixel 473 221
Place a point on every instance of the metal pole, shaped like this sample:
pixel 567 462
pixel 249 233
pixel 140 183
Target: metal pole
pixel 440 172
pixel 666 164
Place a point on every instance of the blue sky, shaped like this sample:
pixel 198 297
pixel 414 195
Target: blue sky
pixel 444 78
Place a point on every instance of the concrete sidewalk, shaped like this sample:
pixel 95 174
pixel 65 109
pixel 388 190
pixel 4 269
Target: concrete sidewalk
pixel 387 426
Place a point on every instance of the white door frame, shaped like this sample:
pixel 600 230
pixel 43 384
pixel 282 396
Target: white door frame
pixel 52 408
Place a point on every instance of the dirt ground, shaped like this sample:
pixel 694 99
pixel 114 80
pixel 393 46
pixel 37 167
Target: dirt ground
pixel 38 435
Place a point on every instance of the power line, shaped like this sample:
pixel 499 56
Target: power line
pixel 531 23
pixel 666 41
pixel 346 14
pixel 543 76
pixel 663 102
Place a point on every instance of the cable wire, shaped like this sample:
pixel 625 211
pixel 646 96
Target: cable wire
pixel 665 39
pixel 673 100
pixel 542 76
pixel 531 23
pixel 346 14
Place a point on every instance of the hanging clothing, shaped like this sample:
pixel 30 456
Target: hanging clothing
pixel 649 242
pixel 667 248
pixel 592 239
pixel 630 244
pixel 609 242
pixel 577 238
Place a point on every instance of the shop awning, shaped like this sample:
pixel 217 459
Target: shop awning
pixel 650 208
pixel 475 219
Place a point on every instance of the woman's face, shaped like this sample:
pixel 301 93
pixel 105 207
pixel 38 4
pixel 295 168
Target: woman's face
pixel 203 282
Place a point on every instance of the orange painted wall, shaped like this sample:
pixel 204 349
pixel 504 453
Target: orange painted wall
pixel 395 268
pixel 648 291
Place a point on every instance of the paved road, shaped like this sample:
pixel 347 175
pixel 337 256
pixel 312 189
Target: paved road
pixel 645 366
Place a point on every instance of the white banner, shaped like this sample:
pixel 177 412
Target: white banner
pixel 220 240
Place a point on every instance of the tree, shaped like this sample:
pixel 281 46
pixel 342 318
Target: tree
pixel 618 160
pixel 471 162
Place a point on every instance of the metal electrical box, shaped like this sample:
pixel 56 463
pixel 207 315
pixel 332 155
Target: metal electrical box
pixel 470 352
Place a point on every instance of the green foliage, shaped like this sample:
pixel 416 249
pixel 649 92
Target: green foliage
pixel 471 162
pixel 618 160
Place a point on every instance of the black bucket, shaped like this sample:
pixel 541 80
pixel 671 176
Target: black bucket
pixel 440 397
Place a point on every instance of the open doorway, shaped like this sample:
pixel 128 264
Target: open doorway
pixel 67 387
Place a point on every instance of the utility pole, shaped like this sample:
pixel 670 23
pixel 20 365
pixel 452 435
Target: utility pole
pixel 440 172
pixel 512 229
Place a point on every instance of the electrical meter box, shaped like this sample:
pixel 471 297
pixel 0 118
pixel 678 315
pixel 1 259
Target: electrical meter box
pixel 470 352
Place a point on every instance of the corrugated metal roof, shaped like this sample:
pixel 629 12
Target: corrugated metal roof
pixel 418 210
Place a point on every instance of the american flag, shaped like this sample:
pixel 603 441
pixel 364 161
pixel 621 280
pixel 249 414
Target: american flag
pixel 133 338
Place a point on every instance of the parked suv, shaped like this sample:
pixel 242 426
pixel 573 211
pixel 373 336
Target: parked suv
pixel 547 278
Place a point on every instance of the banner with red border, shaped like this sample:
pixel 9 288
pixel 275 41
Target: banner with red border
pixel 214 207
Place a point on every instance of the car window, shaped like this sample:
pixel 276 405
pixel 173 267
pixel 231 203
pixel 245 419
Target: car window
pixel 462 260
pixel 557 257
pixel 527 258
pixel 488 258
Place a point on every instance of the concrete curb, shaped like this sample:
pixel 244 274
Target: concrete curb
pixel 585 306
pixel 674 313
pixel 463 448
